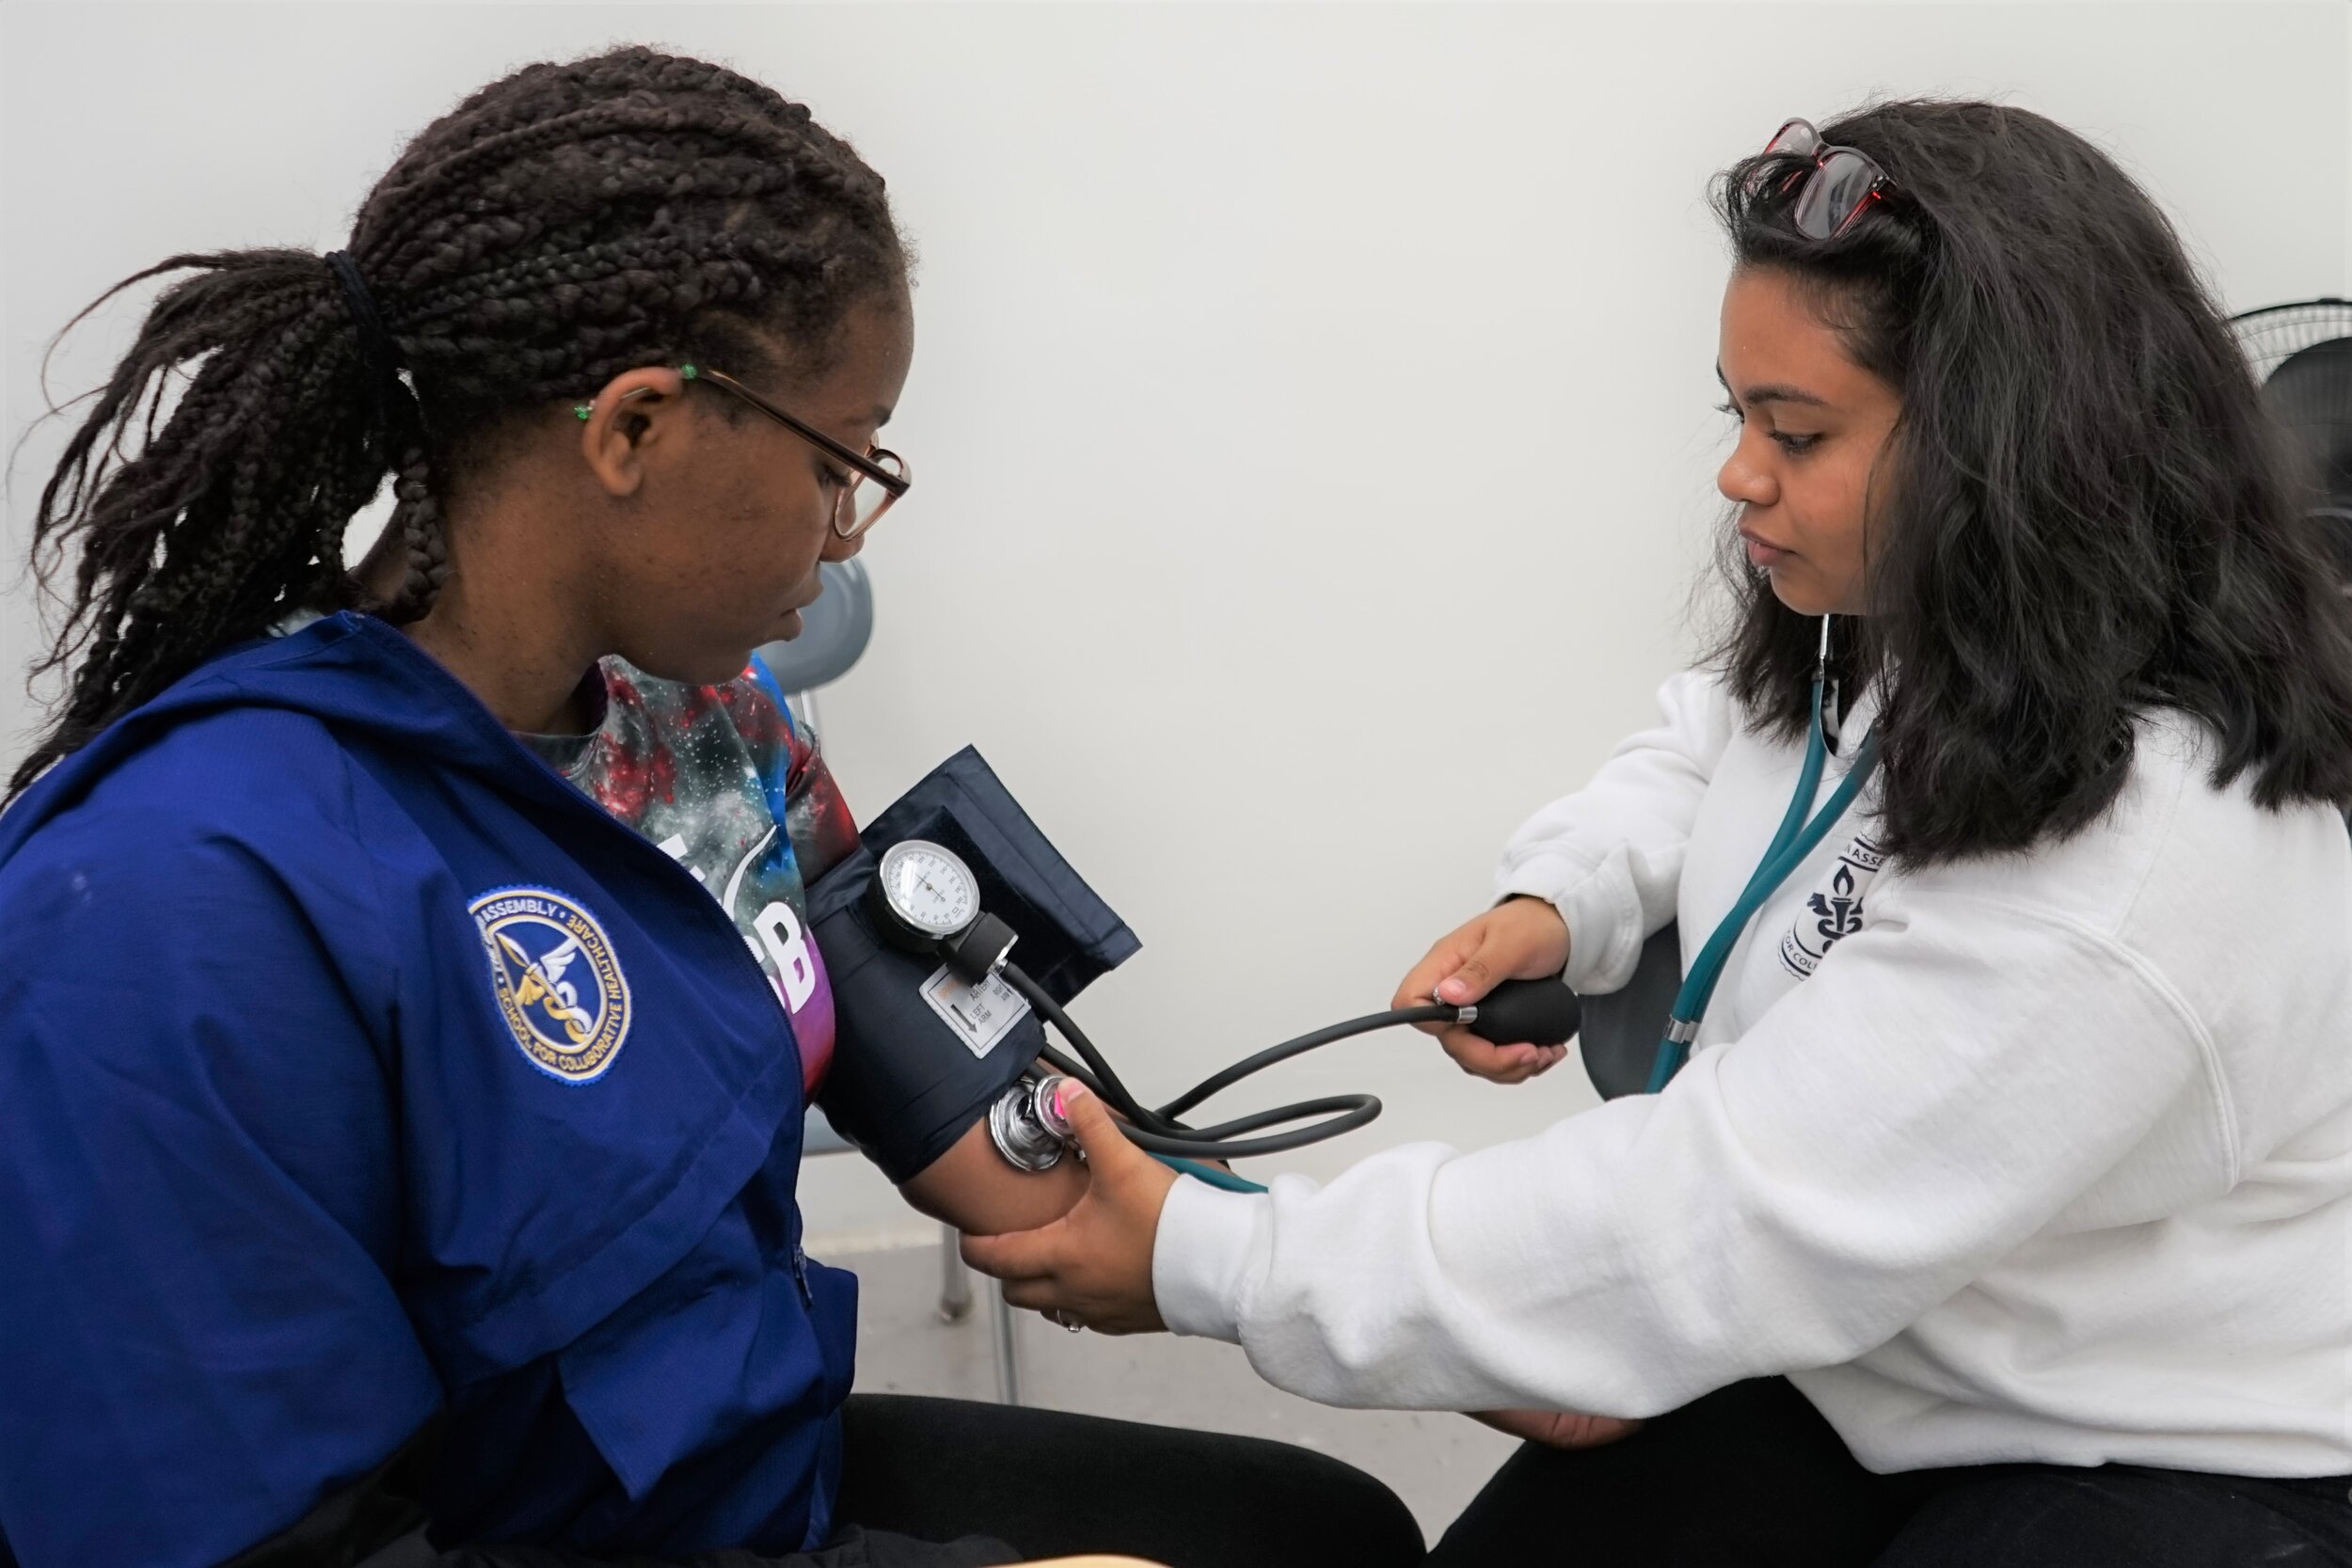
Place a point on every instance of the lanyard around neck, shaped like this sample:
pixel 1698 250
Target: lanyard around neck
pixel 1797 838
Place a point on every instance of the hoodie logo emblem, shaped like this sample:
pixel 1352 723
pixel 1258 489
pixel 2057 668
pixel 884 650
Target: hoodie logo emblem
pixel 558 983
pixel 1834 912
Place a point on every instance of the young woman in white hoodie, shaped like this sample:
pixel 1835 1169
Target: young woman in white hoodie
pixel 2002 1210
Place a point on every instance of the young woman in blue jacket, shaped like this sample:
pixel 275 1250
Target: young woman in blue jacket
pixel 406 1009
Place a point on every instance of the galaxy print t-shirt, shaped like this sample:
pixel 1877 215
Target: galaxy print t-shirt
pixel 721 780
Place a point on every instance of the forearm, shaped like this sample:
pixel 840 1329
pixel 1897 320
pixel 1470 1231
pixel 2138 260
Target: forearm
pixel 977 1191
pixel 1884 1135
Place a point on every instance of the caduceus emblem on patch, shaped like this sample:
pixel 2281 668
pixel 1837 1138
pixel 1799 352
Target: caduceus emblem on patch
pixel 558 983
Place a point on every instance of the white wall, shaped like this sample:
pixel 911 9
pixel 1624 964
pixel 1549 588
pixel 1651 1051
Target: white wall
pixel 1313 407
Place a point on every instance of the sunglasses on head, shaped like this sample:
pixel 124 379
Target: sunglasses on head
pixel 1833 187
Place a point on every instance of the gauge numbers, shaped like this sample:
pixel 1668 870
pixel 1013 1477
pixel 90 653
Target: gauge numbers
pixel 929 888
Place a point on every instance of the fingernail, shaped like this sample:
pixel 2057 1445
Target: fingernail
pixel 1451 990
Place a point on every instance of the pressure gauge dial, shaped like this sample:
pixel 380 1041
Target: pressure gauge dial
pixel 926 890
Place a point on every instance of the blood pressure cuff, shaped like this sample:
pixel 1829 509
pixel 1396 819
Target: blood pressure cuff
pixel 905 1080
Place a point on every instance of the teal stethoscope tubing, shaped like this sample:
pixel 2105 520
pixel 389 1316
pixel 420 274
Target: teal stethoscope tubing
pixel 1796 839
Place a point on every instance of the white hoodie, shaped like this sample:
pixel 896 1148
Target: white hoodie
pixel 2043 1157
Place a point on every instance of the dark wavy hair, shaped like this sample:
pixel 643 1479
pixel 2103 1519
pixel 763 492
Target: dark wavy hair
pixel 2084 514
pixel 560 226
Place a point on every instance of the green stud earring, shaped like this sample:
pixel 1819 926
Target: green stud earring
pixel 685 372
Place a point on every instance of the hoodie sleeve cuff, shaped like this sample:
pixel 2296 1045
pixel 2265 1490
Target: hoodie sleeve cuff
pixel 1209 1244
pixel 1601 909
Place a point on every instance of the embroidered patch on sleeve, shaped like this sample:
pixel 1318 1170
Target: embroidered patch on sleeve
pixel 558 983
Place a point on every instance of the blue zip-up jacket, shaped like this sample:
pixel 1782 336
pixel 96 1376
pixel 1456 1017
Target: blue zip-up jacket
pixel 354 1068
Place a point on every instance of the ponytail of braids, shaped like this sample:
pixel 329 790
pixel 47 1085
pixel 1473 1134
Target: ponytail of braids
pixel 206 491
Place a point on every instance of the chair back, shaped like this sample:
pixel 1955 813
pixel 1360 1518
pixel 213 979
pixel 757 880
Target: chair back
pixel 834 630
pixel 1621 1031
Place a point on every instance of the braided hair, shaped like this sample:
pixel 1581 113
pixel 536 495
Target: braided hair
pixel 560 226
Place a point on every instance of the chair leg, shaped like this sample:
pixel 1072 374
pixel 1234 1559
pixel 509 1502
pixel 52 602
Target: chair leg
pixel 1007 1347
pixel 954 1280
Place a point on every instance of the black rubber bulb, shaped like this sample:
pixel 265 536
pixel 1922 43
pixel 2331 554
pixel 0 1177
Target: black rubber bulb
pixel 1538 1012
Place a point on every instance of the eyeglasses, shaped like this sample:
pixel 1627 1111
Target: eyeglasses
pixel 876 477
pixel 1831 189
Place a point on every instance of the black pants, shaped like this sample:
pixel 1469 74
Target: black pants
pixel 1050 1484
pixel 948 1483
pixel 1752 1476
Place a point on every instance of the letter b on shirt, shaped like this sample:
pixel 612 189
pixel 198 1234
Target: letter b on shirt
pixel 787 946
